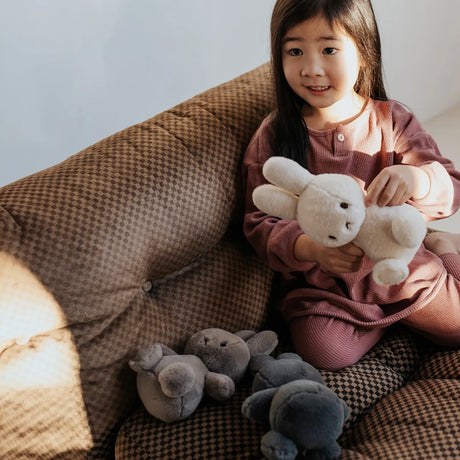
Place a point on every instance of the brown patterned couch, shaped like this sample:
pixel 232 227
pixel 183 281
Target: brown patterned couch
pixel 138 239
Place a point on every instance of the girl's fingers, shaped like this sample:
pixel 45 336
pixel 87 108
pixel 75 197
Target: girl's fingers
pixel 399 198
pixel 392 186
pixel 352 250
pixel 388 193
pixel 392 194
pixel 376 187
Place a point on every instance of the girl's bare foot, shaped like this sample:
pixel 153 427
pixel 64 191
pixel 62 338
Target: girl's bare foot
pixel 442 242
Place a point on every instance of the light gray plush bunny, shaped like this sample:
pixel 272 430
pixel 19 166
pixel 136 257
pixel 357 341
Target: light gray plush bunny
pixel 171 386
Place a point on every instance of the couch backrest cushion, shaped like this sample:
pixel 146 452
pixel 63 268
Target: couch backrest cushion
pixel 128 237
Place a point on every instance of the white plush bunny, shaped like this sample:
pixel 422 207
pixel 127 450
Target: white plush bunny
pixel 330 209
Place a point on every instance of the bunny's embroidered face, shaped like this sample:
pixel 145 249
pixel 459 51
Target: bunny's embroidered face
pixel 331 209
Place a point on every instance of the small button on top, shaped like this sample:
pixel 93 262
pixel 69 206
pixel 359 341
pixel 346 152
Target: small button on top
pixel 340 137
pixel 147 286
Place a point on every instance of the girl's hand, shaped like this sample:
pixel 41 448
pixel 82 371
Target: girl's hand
pixel 395 184
pixel 345 259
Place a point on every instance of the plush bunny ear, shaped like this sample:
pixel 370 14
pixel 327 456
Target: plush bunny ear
pixel 287 174
pixel 275 201
pixel 262 343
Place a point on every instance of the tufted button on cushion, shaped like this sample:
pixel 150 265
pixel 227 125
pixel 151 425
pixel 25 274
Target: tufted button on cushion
pixel 147 286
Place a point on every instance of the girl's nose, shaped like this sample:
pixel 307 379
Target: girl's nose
pixel 312 68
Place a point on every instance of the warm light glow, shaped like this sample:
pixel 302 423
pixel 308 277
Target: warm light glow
pixel 43 409
pixel 26 307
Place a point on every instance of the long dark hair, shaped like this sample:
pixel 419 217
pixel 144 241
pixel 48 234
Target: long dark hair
pixel 358 20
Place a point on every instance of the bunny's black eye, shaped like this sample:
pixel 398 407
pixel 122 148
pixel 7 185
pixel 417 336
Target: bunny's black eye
pixel 344 205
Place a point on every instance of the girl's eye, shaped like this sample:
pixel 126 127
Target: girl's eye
pixel 295 52
pixel 329 51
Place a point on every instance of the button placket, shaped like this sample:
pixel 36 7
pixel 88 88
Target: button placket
pixel 339 142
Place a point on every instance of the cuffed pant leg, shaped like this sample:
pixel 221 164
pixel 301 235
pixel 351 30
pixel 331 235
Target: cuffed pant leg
pixel 330 343
pixel 439 320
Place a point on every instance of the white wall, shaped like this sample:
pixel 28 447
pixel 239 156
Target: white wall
pixel 421 42
pixel 75 71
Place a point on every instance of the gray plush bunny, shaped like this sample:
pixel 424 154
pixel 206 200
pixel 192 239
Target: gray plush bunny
pixel 171 386
pixel 304 414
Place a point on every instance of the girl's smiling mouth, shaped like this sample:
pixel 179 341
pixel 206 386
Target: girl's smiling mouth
pixel 318 89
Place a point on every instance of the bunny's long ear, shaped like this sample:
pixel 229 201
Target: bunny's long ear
pixel 287 174
pixel 262 343
pixel 275 201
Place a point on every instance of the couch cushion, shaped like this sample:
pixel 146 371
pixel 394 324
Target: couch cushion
pixel 148 206
pixel 221 428
pixel 214 431
pixel 420 420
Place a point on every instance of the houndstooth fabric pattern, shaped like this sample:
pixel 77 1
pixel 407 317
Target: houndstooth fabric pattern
pixel 443 364
pixel 419 421
pixel 178 306
pixel 125 242
pixel 386 368
pixel 214 431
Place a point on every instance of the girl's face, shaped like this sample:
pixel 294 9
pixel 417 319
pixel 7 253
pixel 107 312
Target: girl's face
pixel 321 65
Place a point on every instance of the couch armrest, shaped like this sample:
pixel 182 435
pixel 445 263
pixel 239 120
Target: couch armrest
pixel 151 198
pixel 89 233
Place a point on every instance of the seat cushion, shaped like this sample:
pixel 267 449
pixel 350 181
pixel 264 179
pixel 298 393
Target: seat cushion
pixel 420 420
pixel 219 430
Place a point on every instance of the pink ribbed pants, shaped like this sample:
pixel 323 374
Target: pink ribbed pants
pixel 331 343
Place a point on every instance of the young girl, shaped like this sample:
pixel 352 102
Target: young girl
pixel 333 116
